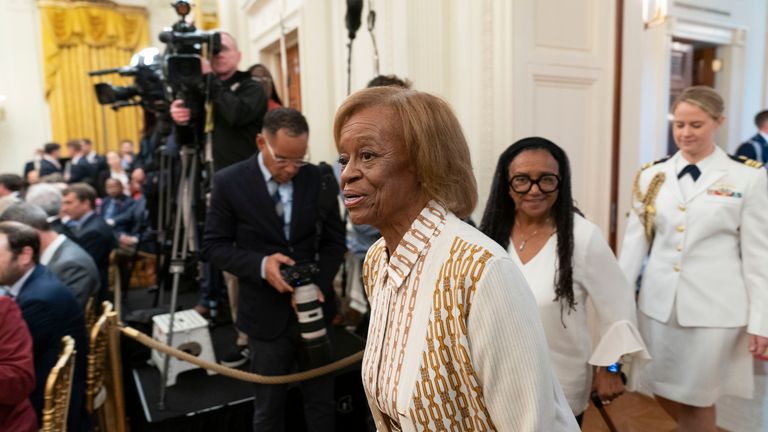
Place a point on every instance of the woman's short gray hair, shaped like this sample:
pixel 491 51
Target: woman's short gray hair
pixel 431 135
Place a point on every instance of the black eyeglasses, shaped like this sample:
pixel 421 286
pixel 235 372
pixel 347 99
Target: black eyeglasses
pixel 522 184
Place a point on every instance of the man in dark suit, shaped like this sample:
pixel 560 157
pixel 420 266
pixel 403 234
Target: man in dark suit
pixel 78 169
pixel 62 256
pixel 88 229
pixel 98 162
pixel 119 209
pixel 49 310
pixel 50 163
pixel 267 211
pixel 757 147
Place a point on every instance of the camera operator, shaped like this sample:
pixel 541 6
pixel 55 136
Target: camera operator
pixel 271 210
pixel 239 104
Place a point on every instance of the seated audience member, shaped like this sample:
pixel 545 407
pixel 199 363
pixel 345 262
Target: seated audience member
pixel 63 257
pixel 114 171
pixel 54 179
pixel 138 178
pixel 77 169
pixel 50 311
pixel 89 230
pixel 48 197
pixel 50 163
pixel 32 177
pixel 118 209
pixel 17 370
pixel 127 156
pixel 10 190
pixel 757 147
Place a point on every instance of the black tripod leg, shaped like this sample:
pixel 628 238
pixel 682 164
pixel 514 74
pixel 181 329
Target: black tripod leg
pixel 179 258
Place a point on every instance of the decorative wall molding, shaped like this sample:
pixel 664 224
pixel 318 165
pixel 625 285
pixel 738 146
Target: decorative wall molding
pixel 715 33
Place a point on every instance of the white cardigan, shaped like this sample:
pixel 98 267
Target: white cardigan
pixel 597 277
pixel 454 341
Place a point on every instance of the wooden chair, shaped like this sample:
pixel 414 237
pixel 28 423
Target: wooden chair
pixel 104 390
pixel 58 389
pixel 90 313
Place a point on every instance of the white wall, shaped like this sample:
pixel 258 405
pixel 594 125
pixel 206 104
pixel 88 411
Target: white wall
pixel 499 64
pixel 26 125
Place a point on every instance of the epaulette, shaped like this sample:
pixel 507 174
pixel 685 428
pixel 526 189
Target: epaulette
pixel 747 161
pixel 658 161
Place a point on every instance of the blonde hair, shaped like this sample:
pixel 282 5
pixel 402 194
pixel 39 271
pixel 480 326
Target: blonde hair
pixel 432 137
pixel 704 97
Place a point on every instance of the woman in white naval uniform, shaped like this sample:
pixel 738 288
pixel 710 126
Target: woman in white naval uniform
pixel 701 217
pixel 566 262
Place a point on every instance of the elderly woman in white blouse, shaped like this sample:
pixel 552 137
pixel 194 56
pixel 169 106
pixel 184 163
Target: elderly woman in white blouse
pixel 566 261
pixel 454 341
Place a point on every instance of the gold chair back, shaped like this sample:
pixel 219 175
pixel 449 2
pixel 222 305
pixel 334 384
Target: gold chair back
pixel 90 314
pixel 58 388
pixel 97 361
pixel 104 383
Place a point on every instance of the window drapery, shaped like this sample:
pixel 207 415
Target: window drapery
pixel 79 37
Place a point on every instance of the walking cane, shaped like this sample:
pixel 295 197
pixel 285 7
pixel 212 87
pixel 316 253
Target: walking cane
pixel 603 413
pixel 601 408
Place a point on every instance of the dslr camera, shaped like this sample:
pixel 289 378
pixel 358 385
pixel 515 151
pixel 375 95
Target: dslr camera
pixel 317 345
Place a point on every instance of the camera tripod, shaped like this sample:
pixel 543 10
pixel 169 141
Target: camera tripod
pixel 184 242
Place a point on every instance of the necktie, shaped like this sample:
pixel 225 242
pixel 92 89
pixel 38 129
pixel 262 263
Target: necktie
pixel 278 201
pixel 279 209
pixel 693 170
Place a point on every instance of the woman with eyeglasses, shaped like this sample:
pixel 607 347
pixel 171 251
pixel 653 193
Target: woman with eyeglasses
pixel 566 261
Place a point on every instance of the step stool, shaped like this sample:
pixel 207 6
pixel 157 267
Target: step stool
pixel 190 334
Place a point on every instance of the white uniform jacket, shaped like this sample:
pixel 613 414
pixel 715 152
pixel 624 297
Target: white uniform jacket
pixel 709 256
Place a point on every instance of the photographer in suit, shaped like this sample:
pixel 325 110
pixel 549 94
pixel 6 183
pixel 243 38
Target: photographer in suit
pixel 271 210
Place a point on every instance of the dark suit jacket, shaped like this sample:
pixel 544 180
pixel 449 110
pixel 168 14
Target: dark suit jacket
pixel 242 228
pixel 60 228
pixel 81 171
pixel 29 166
pixel 125 214
pixel 76 269
pixel 747 148
pixel 97 238
pixel 47 168
pixel 51 312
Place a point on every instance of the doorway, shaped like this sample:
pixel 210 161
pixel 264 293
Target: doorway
pixel 691 63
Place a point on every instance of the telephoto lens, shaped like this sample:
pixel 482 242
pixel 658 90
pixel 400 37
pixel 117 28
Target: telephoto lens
pixel 309 310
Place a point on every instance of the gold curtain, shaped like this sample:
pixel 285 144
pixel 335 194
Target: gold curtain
pixel 79 37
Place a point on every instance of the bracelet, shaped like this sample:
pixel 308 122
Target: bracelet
pixel 614 368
